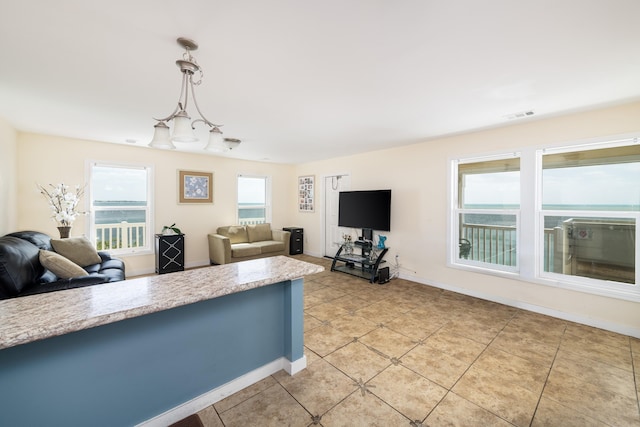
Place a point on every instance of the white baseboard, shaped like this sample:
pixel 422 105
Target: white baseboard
pixel 132 274
pixel 601 324
pixel 212 396
pixel 313 254
pixel 296 366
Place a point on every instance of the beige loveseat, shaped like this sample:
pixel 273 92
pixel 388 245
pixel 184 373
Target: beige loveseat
pixel 242 242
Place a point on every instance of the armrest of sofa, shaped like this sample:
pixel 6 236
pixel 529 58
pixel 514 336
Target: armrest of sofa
pixel 282 236
pixel 104 255
pixel 219 249
pixel 62 284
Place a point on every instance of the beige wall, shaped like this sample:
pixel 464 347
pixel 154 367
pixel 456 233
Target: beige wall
pixel 47 159
pixel 8 181
pixel 417 174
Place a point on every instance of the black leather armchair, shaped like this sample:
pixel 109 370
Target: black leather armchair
pixel 21 272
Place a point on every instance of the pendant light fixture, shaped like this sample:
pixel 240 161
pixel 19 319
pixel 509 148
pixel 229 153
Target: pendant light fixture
pixel 183 127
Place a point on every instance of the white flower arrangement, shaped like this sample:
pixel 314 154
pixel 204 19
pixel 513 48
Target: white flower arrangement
pixel 63 203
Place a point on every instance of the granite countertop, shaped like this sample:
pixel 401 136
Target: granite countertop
pixel 36 317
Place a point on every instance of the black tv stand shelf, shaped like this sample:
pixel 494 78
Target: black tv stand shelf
pixel 362 266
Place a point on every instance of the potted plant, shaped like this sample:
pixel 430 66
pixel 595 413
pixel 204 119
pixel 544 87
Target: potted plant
pixel 63 203
pixel 169 230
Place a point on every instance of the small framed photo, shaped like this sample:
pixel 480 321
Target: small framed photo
pixel 306 198
pixel 195 187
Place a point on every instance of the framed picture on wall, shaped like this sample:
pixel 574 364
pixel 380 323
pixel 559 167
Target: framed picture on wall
pixel 306 200
pixel 195 187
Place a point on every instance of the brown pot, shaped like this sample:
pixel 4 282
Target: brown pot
pixel 64 231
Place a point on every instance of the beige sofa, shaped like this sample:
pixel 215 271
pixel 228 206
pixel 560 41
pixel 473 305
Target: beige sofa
pixel 243 242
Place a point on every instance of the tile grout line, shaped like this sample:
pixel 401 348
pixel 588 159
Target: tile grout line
pixel 380 353
pixel 548 375
pixel 355 339
pixel 635 376
pixel 450 390
pixel 422 342
pixel 567 333
pixel 418 343
pixel 312 416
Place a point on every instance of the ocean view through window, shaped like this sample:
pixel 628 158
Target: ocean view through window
pixel 253 200
pixel 574 224
pixel 120 208
pixel 590 204
pixel 487 210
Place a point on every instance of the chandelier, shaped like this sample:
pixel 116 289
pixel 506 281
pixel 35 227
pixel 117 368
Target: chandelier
pixel 183 127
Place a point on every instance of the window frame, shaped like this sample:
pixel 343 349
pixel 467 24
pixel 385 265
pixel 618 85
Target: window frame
pixel 457 211
pixel 608 288
pixel 531 223
pixel 91 228
pixel 267 198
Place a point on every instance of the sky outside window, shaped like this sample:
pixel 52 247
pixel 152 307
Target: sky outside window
pixel 492 189
pixel 598 185
pixel 119 184
pixel 251 190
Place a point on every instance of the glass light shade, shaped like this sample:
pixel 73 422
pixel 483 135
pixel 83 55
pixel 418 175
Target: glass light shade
pixel 182 130
pixel 232 143
pixel 216 142
pixel 161 137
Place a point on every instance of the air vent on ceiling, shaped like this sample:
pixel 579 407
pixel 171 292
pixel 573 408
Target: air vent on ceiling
pixel 520 115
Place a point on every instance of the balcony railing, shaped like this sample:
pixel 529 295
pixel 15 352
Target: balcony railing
pixel 495 244
pixel 128 235
pixel 251 221
pixel 123 235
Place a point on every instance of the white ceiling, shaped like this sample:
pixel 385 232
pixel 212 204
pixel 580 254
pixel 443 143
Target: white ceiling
pixel 299 80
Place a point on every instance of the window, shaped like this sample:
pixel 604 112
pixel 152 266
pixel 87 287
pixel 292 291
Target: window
pixel 590 206
pixel 562 216
pixel 120 199
pixel 487 212
pixel 254 199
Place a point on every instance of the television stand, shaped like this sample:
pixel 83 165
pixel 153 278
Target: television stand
pixel 364 265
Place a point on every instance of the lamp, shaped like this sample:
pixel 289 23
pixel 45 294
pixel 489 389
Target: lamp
pixel 183 127
pixel 220 145
pixel 161 137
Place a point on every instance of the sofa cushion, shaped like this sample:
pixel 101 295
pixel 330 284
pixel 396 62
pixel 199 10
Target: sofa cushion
pixel 269 246
pixel 235 233
pixel 19 265
pixel 77 249
pixel 259 232
pixel 113 269
pixel 240 250
pixel 60 266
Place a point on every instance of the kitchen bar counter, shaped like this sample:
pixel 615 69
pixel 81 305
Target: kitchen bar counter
pixel 32 318
pixel 151 350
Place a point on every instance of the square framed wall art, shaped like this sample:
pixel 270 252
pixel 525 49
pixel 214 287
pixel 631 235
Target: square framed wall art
pixel 195 187
pixel 306 200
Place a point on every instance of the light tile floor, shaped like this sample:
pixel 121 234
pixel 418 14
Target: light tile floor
pixel 406 354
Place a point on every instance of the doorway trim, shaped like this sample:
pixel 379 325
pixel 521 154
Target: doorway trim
pixel 326 204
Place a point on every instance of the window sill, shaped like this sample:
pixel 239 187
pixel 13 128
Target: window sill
pixel 631 294
pixel 127 253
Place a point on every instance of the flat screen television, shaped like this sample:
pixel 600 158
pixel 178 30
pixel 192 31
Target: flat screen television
pixel 365 209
